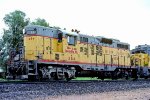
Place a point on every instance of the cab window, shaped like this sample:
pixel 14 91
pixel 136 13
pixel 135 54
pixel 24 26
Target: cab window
pixel 71 40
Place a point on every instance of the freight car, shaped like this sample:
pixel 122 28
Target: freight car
pixel 49 53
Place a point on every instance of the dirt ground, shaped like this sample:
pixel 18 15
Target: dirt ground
pixel 136 94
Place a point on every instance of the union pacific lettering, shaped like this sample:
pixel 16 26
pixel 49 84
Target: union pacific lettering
pixel 71 50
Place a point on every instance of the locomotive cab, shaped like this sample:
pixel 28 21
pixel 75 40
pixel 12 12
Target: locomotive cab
pixel 37 42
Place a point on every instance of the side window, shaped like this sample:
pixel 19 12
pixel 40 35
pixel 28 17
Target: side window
pixel 31 31
pixel 71 40
pixel 84 39
pixel 81 39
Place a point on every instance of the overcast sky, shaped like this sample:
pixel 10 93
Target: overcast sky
pixel 126 20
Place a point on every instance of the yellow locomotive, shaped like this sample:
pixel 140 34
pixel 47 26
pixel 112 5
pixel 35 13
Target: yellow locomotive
pixel 58 54
pixel 141 60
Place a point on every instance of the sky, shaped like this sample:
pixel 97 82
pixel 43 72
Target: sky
pixel 125 20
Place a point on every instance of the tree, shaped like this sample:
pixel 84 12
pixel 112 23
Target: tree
pixel 13 36
pixel 41 22
pixel 16 22
pixel 3 54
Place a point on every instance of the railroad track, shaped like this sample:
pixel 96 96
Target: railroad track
pixel 12 90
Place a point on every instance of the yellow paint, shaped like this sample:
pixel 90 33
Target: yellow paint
pixel 50 49
pixel 140 59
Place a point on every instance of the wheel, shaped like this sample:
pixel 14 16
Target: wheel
pixel 67 77
pixel 55 76
pixel 114 76
pixel 127 77
pixel 135 75
pixel 31 78
pixel 146 77
pixel 40 76
pixel 101 76
pixel 102 79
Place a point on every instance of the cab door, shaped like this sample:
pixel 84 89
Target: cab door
pixel 46 48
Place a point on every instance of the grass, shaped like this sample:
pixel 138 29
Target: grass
pixel 90 78
pixel 78 79
pixel 10 80
pixel 86 78
pixel 2 79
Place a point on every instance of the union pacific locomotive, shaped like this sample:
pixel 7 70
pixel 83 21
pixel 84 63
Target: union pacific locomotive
pixel 50 53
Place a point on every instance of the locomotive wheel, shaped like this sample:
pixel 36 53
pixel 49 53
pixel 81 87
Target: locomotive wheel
pixel 55 76
pixel 135 75
pixel 146 77
pixel 114 76
pixel 102 79
pixel 127 77
pixel 67 77
pixel 31 78
pixel 101 76
pixel 14 77
pixel 40 76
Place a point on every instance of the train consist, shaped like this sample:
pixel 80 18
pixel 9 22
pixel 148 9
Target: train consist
pixel 50 53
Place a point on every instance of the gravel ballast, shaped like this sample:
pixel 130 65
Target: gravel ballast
pixel 135 94
pixel 56 90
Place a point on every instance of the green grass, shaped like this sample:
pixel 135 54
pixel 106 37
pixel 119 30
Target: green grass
pixel 90 78
pixel 1 79
pixel 10 80
pixel 86 78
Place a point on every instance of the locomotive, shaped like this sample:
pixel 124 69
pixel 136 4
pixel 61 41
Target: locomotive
pixel 50 53
pixel 141 59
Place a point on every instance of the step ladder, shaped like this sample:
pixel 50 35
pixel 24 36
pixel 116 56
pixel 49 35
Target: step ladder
pixel 32 69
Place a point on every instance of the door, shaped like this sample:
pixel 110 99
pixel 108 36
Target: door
pixel 47 48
